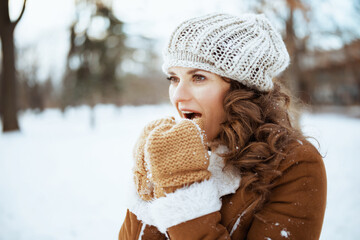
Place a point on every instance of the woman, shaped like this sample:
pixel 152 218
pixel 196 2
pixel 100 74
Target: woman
pixel 233 167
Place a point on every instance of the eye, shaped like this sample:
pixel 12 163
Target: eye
pixel 199 78
pixel 172 79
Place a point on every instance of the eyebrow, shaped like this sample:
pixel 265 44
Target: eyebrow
pixel 189 72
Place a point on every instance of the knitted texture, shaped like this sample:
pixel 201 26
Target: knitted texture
pixel 245 48
pixel 177 156
pixel 168 156
pixel 141 170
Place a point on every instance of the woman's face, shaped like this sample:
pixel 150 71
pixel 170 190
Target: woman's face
pixel 198 94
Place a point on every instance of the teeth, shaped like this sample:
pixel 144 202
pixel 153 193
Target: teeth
pixel 190 114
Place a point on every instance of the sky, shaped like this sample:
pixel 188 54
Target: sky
pixel 43 32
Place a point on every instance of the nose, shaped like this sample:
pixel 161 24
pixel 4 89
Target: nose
pixel 181 92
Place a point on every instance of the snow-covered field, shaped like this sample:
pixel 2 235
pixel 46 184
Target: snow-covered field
pixel 60 178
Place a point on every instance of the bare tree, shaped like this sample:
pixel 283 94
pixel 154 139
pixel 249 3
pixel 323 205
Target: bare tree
pixel 8 101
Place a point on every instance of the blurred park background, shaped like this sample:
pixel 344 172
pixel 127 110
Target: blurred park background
pixel 57 54
pixel 75 75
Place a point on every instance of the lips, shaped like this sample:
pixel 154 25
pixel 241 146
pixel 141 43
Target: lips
pixel 190 114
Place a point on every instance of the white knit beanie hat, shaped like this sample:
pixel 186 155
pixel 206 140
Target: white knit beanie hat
pixel 245 48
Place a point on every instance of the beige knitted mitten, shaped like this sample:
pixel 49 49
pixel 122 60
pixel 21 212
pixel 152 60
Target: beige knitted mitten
pixel 177 155
pixel 142 181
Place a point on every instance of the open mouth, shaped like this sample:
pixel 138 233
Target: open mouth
pixel 191 115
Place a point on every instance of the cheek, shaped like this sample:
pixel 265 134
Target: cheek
pixel 213 102
pixel 214 112
pixel 171 94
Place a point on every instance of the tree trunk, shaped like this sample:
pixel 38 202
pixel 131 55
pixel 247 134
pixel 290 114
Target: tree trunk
pixel 292 74
pixel 8 81
pixel 8 98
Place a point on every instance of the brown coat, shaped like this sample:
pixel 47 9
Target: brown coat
pixel 294 210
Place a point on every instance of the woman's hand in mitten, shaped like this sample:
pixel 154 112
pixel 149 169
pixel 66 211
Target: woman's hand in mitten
pixel 177 155
pixel 143 184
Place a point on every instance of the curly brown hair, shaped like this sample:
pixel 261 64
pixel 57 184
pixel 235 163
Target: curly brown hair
pixel 258 132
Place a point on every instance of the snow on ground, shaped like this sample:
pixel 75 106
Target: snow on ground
pixel 61 178
pixel 339 139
